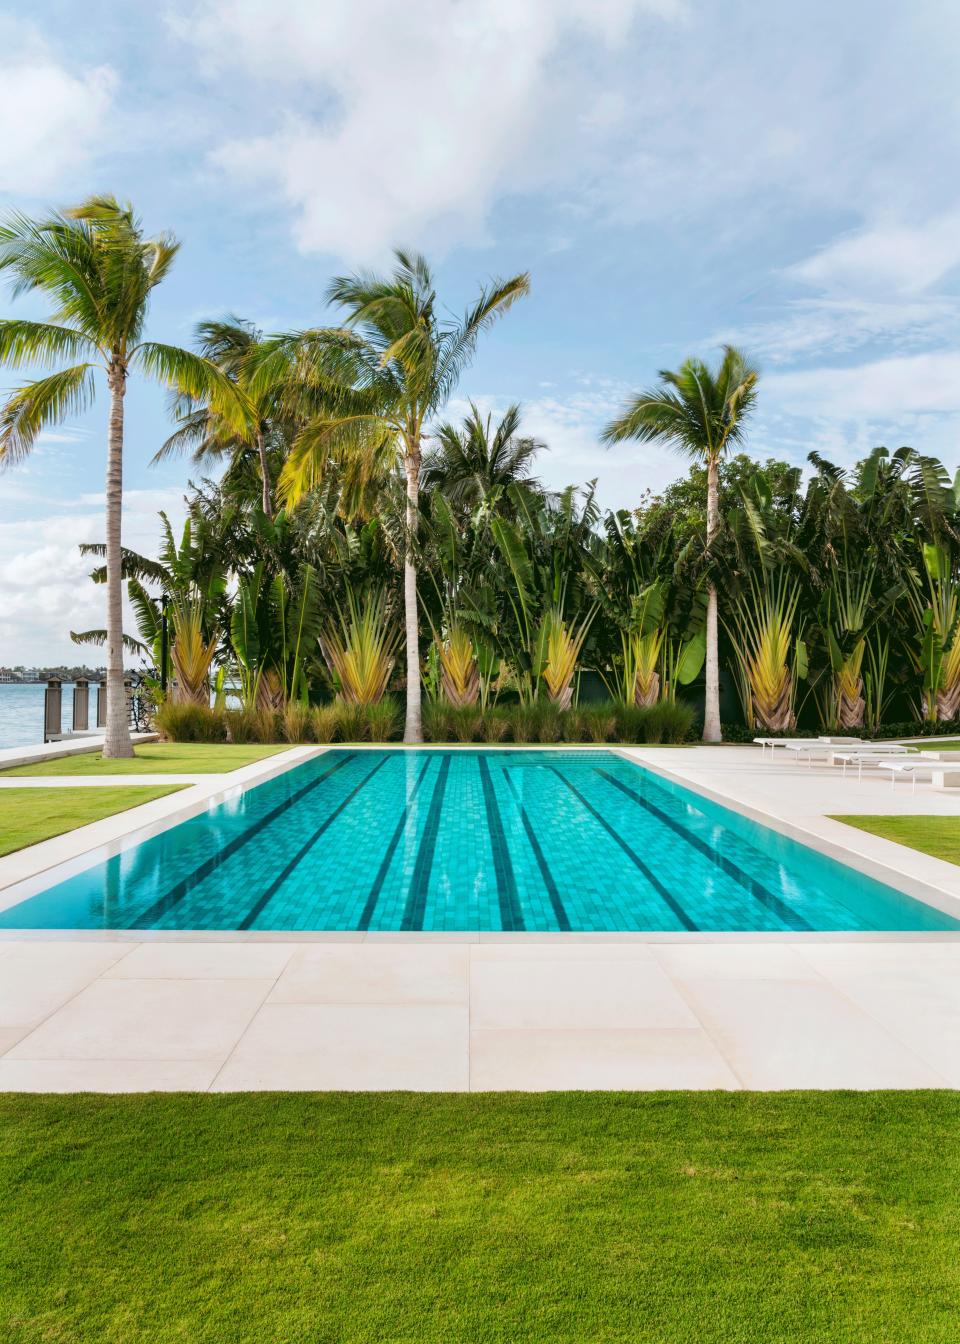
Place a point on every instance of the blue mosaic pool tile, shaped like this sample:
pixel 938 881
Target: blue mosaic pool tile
pixel 522 840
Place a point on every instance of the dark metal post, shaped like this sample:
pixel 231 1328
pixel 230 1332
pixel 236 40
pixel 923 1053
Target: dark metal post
pixel 51 709
pixel 102 704
pixel 163 644
pixel 81 706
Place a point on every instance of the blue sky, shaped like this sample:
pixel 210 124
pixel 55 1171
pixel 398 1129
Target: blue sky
pixel 673 173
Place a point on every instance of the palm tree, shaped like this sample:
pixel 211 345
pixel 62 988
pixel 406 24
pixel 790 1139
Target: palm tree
pixel 472 461
pixel 702 414
pixel 379 380
pixel 97 269
pixel 232 344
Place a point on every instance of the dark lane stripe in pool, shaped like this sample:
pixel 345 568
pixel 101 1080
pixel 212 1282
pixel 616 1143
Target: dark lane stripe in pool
pixel 651 877
pixel 416 906
pixel 755 888
pixel 260 905
pixel 176 893
pixel 553 891
pixel 511 918
pixel 370 904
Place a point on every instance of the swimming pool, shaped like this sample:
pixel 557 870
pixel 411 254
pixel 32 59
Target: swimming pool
pixel 467 840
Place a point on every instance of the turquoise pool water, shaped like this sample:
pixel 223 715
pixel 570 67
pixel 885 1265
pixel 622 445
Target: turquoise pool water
pixel 519 840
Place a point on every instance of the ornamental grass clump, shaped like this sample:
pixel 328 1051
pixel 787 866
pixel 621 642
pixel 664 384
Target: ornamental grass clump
pixel 253 725
pixel 296 722
pixel 550 722
pixel 382 720
pixel 599 722
pixel 467 723
pixel 179 722
pixel 323 723
pixel 632 723
pixel 351 721
pixel 524 723
pixel 495 726
pixel 438 721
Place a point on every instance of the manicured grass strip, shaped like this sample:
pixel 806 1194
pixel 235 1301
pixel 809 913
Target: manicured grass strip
pixel 157 758
pixel 937 744
pixel 30 815
pixel 939 836
pixel 826 1218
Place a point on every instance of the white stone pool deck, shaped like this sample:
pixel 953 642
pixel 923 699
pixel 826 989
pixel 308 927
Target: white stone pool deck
pixel 122 1011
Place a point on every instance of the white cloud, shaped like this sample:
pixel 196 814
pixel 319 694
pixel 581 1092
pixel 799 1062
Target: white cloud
pixel 45 580
pixel 911 384
pixel 397 121
pixel 904 259
pixel 50 114
pixel 832 326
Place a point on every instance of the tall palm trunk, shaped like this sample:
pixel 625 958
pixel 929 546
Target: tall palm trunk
pixel 413 728
pixel 264 476
pixel 117 742
pixel 711 707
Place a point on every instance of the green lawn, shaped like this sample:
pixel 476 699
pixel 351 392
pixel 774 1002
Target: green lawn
pixel 30 815
pixel 666 1218
pixel 937 744
pixel 939 836
pixel 155 758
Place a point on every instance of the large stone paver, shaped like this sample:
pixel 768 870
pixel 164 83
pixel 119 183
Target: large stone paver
pixel 147 1020
pixel 535 1061
pixel 253 1013
pixel 353 1047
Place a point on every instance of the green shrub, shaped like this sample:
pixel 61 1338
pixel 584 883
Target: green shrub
pixel 351 721
pixel 549 722
pixel 495 726
pixel 599 722
pixel 437 718
pixel 383 719
pixel 467 723
pixel 573 726
pixel 669 721
pixel 524 723
pixel 253 725
pixel 296 723
pixel 190 723
pixel 323 723
pixel 633 723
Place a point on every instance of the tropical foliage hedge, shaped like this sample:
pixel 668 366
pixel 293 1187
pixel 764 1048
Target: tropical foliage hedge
pixel 382 721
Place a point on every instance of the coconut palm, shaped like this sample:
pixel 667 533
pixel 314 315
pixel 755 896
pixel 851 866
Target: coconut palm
pixel 379 380
pixel 232 344
pixel 97 269
pixel 701 413
pixel 473 461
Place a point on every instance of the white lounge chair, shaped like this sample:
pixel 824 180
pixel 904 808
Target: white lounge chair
pixel 774 742
pixel 942 775
pixel 869 757
pixel 794 742
pixel 821 748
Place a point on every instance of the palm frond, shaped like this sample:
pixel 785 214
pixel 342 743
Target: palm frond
pixel 98 639
pixel 359 438
pixel 39 405
pixel 198 378
pixel 24 342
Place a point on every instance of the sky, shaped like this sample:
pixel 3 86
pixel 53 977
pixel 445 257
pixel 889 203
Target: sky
pixel 674 174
